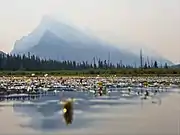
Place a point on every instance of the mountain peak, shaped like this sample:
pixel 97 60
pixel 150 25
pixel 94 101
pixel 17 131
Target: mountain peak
pixel 49 36
pixel 48 20
pixel 54 38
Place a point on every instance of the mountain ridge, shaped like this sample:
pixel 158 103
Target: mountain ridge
pixel 60 49
pixel 76 45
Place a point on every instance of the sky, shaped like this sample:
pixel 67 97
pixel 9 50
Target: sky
pixel 151 23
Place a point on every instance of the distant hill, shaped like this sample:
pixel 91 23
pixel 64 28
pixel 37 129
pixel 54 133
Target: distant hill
pixel 59 41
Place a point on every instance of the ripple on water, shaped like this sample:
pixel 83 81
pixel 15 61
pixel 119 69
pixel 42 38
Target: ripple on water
pixel 46 113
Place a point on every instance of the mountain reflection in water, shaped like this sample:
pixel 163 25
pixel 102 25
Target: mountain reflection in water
pixel 46 112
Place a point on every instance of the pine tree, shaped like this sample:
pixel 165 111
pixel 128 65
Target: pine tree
pixel 155 64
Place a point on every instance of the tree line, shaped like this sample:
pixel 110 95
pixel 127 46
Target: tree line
pixel 33 63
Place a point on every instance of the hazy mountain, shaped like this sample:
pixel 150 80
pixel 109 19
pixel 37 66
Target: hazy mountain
pixel 59 41
pixel 148 54
pixel 64 31
pixel 51 46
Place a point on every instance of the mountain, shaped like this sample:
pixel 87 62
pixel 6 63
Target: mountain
pixel 60 41
pixel 56 48
pixel 64 31
pixel 147 53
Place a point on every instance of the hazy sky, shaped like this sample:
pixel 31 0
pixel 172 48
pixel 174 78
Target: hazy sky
pixel 153 23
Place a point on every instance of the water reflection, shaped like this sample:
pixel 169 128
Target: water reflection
pixel 46 112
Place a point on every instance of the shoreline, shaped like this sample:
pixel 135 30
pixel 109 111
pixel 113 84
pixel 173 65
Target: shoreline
pixel 121 72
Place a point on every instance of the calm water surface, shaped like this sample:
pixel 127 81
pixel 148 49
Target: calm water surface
pixel 45 113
